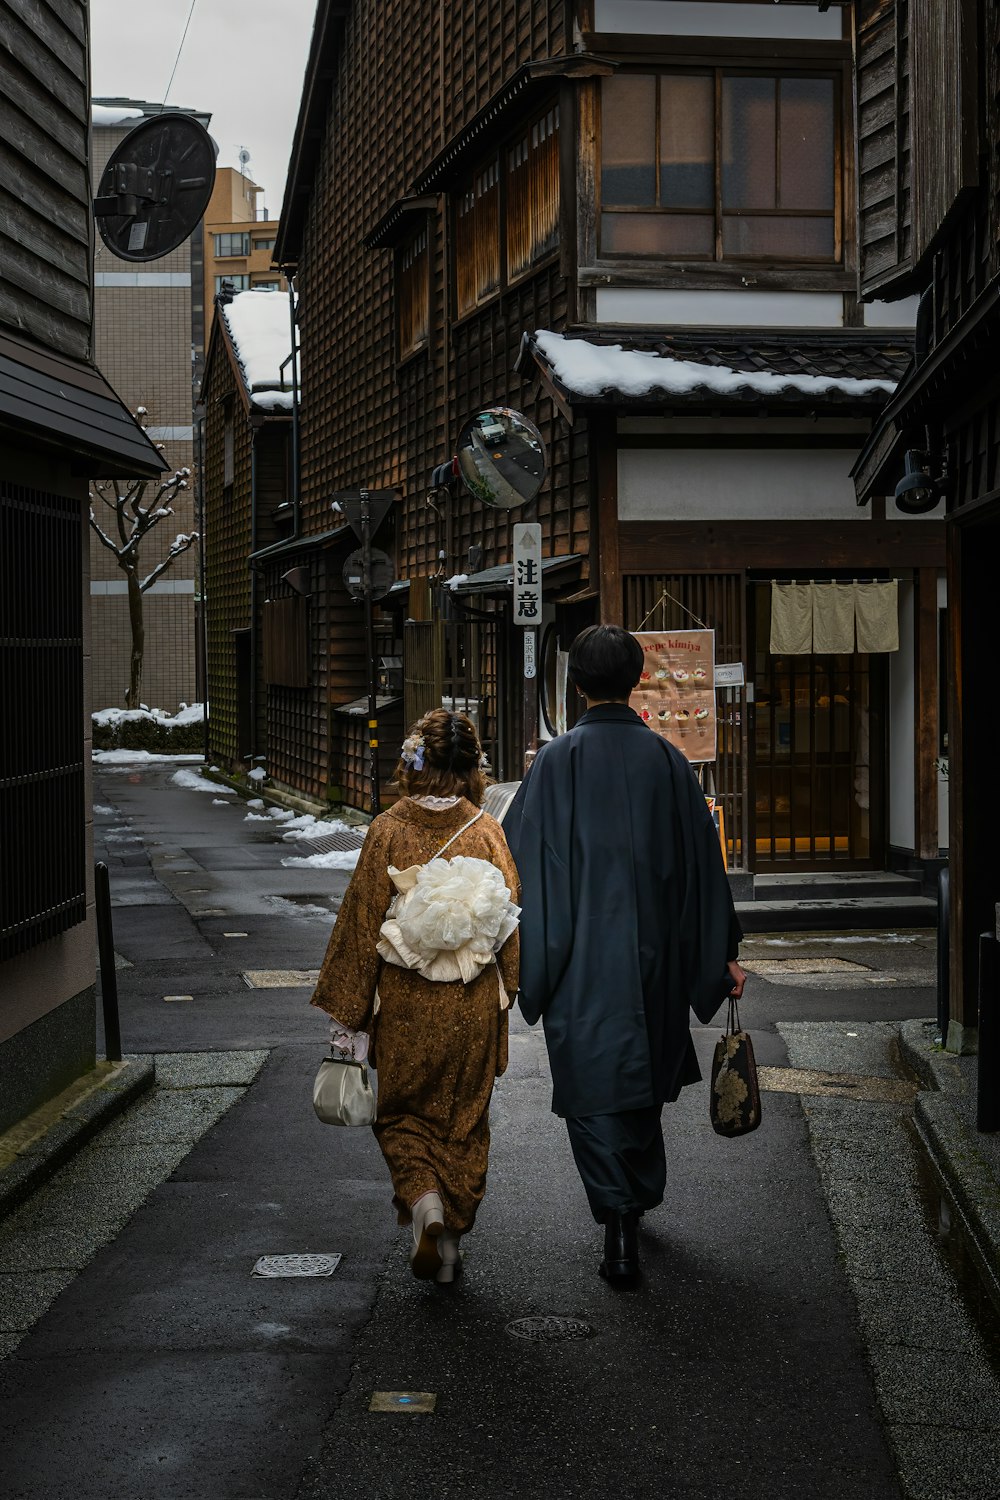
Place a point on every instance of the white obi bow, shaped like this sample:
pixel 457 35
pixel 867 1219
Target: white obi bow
pixel 449 918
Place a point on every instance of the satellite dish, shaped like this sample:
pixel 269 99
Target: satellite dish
pixel 156 187
pixel 501 458
pixel 244 156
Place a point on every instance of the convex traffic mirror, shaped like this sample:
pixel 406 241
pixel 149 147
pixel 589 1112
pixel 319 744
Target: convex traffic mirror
pixel 501 458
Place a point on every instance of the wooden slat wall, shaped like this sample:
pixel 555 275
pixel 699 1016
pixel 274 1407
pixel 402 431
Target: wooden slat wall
pixel 350 738
pixel 883 126
pixel 409 78
pixel 227 547
pixel 45 289
pixel 946 159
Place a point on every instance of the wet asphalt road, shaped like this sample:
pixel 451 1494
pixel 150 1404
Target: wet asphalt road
pixel 737 1367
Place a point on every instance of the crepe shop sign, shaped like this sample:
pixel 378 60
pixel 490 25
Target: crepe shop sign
pixel 676 691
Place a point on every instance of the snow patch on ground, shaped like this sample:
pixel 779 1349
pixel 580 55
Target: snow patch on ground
pixel 195 783
pixel 103 812
pixel 256 818
pixel 258 774
pixel 296 908
pixel 220 802
pixel 336 859
pixel 143 757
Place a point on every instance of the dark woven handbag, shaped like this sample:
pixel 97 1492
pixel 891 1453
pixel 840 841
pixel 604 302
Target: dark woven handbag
pixel 734 1102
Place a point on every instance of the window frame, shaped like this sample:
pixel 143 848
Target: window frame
pixel 231 234
pixel 718 71
pixel 499 159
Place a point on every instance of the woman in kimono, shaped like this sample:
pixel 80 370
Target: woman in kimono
pixel 628 921
pixel 437 1044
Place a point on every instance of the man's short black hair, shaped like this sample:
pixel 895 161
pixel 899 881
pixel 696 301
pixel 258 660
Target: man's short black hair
pixel 605 662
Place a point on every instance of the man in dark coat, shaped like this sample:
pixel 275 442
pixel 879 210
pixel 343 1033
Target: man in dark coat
pixel 627 922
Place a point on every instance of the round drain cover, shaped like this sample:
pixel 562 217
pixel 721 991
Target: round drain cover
pixel 547 1330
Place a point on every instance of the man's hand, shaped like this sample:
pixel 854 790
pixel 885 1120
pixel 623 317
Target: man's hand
pixel 738 977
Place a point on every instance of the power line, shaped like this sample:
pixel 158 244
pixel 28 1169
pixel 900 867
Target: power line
pixel 180 49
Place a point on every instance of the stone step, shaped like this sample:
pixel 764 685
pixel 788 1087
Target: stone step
pixel 844 913
pixel 827 885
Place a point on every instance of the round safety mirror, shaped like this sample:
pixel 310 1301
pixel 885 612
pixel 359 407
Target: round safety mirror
pixel 501 458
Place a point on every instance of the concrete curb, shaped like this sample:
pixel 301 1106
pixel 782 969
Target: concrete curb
pixel 72 1127
pixel 951 1146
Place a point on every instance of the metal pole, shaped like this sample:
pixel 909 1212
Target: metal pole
pixel 106 950
pixel 366 572
pixel 530 714
pixel 943 956
pixel 987 1096
pixel 296 486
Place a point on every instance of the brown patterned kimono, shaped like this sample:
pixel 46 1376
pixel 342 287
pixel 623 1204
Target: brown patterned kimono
pixel 437 1047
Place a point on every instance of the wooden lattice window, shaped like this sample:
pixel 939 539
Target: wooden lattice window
pixel 413 292
pixel 286 642
pixel 43 807
pixel 721 165
pixel 532 209
pixel 477 239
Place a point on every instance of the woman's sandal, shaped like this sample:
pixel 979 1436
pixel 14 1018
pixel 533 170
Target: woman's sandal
pixel 428 1226
pixel 451 1261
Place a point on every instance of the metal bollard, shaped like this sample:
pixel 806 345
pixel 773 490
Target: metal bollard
pixel 106 950
pixel 943 954
pixel 987 1094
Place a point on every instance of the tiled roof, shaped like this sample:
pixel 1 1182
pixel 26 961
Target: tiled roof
pixel 852 368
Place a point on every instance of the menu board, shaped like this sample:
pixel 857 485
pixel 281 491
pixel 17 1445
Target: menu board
pixel 676 692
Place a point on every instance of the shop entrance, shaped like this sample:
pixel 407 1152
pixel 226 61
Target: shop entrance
pixel 817 756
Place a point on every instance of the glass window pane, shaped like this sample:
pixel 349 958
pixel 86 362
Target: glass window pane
pixel 807 116
pixel 628 140
pixel 687 141
pixel 748 143
pixel 657 234
pixel 779 237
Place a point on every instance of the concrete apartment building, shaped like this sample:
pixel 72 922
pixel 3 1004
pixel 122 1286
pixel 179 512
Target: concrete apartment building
pixel 239 241
pixel 148 335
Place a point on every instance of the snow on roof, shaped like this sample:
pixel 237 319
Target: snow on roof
pixel 588 369
pixel 258 325
pixel 112 114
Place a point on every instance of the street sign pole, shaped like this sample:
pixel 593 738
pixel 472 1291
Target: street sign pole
pixel 366 564
pixel 527 551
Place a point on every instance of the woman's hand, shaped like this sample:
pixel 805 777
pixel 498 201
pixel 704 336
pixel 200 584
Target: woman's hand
pixel 738 977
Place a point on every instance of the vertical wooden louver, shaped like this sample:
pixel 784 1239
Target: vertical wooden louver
pixel 477 239
pixel 413 292
pixel 43 813
pixel 533 194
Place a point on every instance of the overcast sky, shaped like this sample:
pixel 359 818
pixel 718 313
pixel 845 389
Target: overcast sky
pixel 242 62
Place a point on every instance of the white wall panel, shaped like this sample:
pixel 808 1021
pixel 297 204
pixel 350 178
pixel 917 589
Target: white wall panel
pixel 730 309
pixel 746 484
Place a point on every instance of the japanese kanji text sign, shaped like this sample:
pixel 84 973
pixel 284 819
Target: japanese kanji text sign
pixel 528 574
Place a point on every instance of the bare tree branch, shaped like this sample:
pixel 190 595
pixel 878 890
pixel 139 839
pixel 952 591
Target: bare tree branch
pixel 180 544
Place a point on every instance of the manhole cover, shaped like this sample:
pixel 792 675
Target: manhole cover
pixel 548 1330
pixel 344 838
pixel 296 1265
pixel 280 979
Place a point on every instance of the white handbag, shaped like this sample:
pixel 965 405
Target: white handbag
pixel 342 1093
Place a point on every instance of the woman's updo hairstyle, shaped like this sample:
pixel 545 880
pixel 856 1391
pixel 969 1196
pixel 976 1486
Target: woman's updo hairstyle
pixel 442 757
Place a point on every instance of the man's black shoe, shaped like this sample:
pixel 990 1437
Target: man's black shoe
pixel 621 1248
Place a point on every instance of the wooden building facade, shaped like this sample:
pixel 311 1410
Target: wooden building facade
pixel 928 81
pixel 60 425
pixel 480 201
